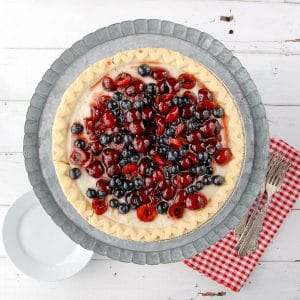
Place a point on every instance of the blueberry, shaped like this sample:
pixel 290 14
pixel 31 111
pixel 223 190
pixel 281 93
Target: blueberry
pixel 119 193
pixel 175 100
pixel 153 164
pixel 114 203
pixel 148 101
pixel 79 144
pixel 123 162
pixel 170 131
pixel 144 70
pixel 74 173
pixel 117 96
pixel 203 156
pixel 207 179
pixel 151 90
pixel 101 194
pixel 91 193
pixel 184 100
pixel 168 174
pixel 126 104
pixel 138 104
pixel 118 138
pixel 191 189
pixel 149 171
pixel 128 139
pixel 182 152
pixel 175 169
pixel 198 170
pixel 199 185
pixel 218 112
pixel 207 162
pixel 162 150
pixel 209 170
pixel 134 158
pixel 76 128
pixel 162 140
pixel 111 105
pixel 120 118
pixel 105 139
pixel 126 153
pixel 172 155
pixel 138 182
pixel 117 112
pixel 217 180
pixel 115 182
pixel 128 185
pixel 162 207
pixel 192 125
pixel 123 208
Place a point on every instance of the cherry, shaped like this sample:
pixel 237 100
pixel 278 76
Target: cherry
pixel 146 213
pixel 159 159
pixel 114 170
pixel 195 201
pixel 99 206
pixel 198 147
pixel 172 115
pixel 158 175
pixel 96 113
pixel 205 95
pixel 188 81
pixel 192 157
pixel 168 193
pixel 223 156
pixel 187 111
pixel 89 161
pixel 133 115
pixel 110 156
pixel 211 128
pixel 160 126
pixel 190 95
pixel 95 169
pixel 147 113
pixel 78 157
pixel 108 83
pixel 108 119
pixel 103 185
pixel 149 182
pixel 163 107
pixel 194 137
pixel 101 100
pixel 135 87
pixel 141 143
pixel 135 127
pixel 176 143
pixel 206 104
pixel 176 210
pixel 181 196
pixel 143 196
pixel 159 73
pixel 173 84
pixel 96 147
pixel 185 163
pixel 89 125
pixel 163 184
pixel 180 129
pixel 123 79
pixel 130 169
pixel 182 180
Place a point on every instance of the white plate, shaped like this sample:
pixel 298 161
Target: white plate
pixel 37 246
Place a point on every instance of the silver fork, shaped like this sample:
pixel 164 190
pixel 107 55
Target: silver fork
pixel 247 243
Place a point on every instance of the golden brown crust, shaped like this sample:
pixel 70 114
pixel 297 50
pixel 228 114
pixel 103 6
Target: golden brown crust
pixel 113 223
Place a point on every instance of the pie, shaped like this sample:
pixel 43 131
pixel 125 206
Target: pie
pixel 147 144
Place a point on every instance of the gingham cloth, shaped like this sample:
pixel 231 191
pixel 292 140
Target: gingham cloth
pixel 220 261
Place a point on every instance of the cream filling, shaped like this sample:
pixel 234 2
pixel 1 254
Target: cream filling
pixel 82 110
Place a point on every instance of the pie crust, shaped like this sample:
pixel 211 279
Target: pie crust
pixel 128 226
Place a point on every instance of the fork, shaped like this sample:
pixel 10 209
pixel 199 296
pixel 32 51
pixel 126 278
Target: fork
pixel 278 165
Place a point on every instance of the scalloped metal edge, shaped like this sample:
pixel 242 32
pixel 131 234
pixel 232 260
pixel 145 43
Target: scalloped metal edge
pixel 127 28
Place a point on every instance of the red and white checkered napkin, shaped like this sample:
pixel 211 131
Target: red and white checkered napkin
pixel 220 261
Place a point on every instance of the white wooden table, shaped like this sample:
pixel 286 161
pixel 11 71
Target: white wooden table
pixel 266 38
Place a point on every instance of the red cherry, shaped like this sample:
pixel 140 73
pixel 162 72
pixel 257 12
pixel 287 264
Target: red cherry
pixel 102 185
pixel 173 84
pixel 143 165
pixel 141 143
pixel 113 170
pixel 182 180
pixel 211 128
pixel 163 107
pixel 185 163
pixel 159 159
pixel 206 104
pixel 159 73
pixel 123 79
pixel 147 113
pixel 223 156
pixel 176 210
pixel 89 161
pixel 130 169
pixel 195 201
pixel 163 184
pixel 108 83
pixel 158 175
pixel 168 193
pixel 176 143
pixel 95 169
pixel 101 100
pixel 110 156
pixel 135 87
pixel 194 137
pixel 99 206
pixel 187 111
pixel 205 95
pixel 143 196
pixel 133 115
pixel 191 96
pixel 108 119
pixel 180 129
pixel 146 213
pixel 211 145
pixel 89 125
pixel 78 157
pixel 172 115
pixel 188 81
pixel 163 87
pixel 149 182
pixel 135 127
pixel 96 113
pixel 198 147
pixel 192 157
pixel 133 198
pixel 181 196
pixel 96 147
pixel 160 126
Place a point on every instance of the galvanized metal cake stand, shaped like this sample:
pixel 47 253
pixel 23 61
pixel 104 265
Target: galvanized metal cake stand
pixel 106 42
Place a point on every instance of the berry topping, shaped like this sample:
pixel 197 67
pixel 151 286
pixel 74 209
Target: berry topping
pixel 114 203
pixel 108 83
pixel 76 128
pixel 123 208
pixel 135 87
pixel 74 173
pixel 99 206
pixel 162 207
pixel 159 73
pixel 176 210
pixel 217 180
pixel 95 169
pixel 123 79
pixel 79 144
pixel 188 81
pixel 195 201
pixel 144 70
pixel 146 213
pixel 223 156
pixel 91 193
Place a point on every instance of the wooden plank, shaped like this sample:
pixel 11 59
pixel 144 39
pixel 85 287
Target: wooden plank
pixel 110 280
pixel 276 75
pixel 284 123
pixel 253 21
